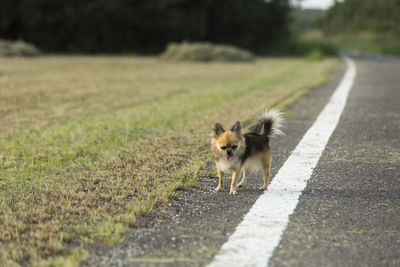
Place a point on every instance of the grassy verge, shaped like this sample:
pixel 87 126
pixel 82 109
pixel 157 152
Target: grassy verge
pixel 366 42
pixel 87 144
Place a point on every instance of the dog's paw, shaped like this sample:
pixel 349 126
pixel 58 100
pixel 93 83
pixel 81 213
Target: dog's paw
pixel 240 185
pixel 263 188
pixel 218 189
pixel 232 192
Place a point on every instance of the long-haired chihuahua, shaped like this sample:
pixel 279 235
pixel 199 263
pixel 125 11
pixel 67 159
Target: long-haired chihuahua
pixel 234 151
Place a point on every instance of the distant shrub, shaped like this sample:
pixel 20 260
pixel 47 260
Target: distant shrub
pixel 309 47
pixel 205 52
pixel 391 50
pixel 315 55
pixel 18 48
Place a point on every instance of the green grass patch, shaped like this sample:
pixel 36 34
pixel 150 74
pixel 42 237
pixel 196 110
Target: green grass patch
pixel 367 42
pixel 87 144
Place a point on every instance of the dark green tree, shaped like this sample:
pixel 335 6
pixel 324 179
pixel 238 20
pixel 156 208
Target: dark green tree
pixel 350 16
pixel 110 26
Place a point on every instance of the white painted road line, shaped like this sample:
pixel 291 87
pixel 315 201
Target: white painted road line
pixel 256 237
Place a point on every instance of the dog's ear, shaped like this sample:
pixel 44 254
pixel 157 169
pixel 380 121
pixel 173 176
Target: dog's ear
pixel 218 130
pixel 236 128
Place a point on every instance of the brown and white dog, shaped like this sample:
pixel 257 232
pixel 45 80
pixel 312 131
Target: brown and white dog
pixel 234 151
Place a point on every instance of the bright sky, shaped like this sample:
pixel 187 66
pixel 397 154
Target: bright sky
pixel 320 4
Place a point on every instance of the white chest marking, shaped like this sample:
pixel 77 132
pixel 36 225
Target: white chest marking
pixel 225 165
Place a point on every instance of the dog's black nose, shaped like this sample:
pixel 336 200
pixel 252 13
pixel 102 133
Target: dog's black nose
pixel 229 152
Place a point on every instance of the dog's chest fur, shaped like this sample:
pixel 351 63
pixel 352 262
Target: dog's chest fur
pixel 225 165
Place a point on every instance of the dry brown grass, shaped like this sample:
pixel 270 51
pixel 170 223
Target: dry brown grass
pixel 18 48
pixel 89 143
pixel 203 51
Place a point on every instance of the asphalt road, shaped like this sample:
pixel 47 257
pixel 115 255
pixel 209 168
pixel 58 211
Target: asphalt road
pixel 348 215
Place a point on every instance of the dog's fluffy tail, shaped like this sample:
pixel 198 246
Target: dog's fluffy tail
pixel 269 122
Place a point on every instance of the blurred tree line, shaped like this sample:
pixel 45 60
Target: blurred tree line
pixel 143 26
pixel 353 16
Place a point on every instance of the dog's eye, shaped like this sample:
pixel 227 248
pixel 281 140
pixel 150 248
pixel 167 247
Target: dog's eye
pixel 234 147
pixel 223 147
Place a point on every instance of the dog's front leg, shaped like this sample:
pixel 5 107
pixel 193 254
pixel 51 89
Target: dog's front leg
pixel 220 181
pixel 235 176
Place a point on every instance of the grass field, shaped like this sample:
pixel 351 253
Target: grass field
pixel 87 144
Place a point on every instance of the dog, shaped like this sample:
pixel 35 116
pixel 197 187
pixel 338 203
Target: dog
pixel 234 151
